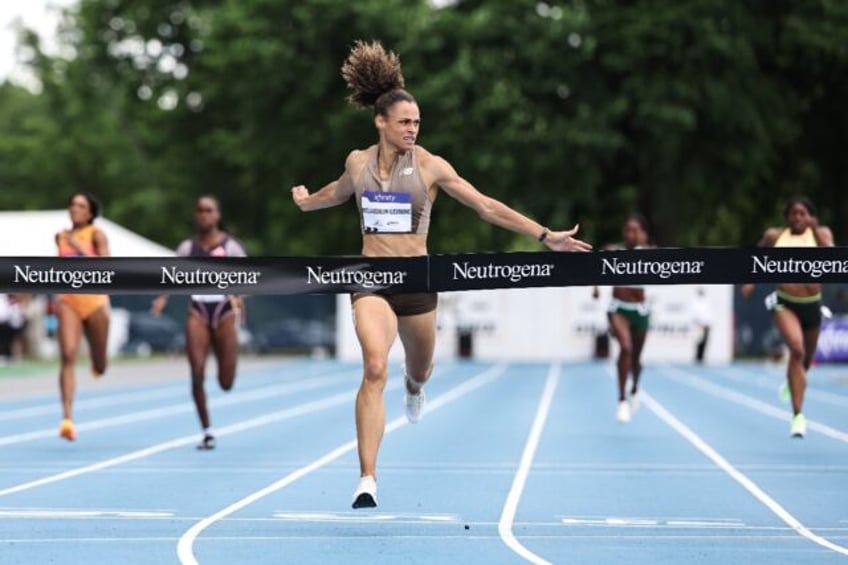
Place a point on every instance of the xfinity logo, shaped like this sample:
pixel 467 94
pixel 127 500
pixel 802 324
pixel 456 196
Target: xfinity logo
pixel 513 273
pixel 815 268
pixel 366 279
pixel 72 277
pixel 661 269
pixel 200 277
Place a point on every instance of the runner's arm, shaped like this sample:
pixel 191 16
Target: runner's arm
pixel 333 194
pixel 498 213
pixel 767 240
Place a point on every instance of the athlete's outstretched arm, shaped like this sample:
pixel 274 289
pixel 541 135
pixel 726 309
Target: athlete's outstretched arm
pixel 498 213
pixel 333 194
pixel 767 240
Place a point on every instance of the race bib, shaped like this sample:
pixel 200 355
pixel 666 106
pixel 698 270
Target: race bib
pixel 386 212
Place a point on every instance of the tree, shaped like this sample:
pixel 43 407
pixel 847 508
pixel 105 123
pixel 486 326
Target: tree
pixel 703 114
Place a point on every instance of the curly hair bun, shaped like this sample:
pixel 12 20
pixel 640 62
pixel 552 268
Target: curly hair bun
pixel 370 71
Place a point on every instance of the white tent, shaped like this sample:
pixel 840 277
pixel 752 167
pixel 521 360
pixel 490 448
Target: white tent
pixel 33 234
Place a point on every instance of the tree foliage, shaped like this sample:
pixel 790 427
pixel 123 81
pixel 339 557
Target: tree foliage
pixel 703 114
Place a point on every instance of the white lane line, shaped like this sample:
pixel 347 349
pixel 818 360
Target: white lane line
pixel 185 547
pixel 360 518
pixel 657 523
pixel 511 504
pixel 746 483
pixel 69 514
pixel 719 391
pixel 262 393
pixel 272 417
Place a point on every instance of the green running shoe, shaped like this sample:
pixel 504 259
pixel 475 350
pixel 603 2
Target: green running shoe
pixel 785 393
pixel 799 426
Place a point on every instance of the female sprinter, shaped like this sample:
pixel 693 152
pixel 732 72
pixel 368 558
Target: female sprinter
pixel 212 319
pixel 796 307
pixel 80 314
pixel 629 318
pixel 397 169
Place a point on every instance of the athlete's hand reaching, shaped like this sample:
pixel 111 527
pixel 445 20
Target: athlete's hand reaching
pixel 564 241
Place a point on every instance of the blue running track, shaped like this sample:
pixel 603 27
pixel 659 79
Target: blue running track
pixel 512 463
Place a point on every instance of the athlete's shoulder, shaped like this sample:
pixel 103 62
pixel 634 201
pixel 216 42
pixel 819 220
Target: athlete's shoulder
pixel 770 236
pixel 184 248
pixel 436 165
pixel 358 156
pixel 824 235
pixel 425 157
pixel 234 246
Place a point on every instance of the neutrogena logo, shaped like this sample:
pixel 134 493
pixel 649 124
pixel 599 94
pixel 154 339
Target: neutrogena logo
pixel 513 273
pixel 661 269
pixel 75 278
pixel 812 267
pixel 365 279
pixel 221 280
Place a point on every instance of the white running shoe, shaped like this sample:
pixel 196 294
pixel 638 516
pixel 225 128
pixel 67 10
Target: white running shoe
pixel 634 402
pixel 623 412
pixel 414 405
pixel 365 495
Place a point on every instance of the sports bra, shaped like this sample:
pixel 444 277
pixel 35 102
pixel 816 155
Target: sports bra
pixel 85 239
pixel 788 239
pixel 400 205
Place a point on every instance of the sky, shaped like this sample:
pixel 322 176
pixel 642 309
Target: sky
pixel 41 15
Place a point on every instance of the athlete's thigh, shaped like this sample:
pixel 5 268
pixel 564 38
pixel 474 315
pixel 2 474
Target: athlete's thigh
pixel 418 335
pixel 638 337
pixel 620 327
pixel 198 339
pixel 97 329
pixel 225 342
pixel 789 326
pixel 69 332
pixel 376 325
pixel 811 340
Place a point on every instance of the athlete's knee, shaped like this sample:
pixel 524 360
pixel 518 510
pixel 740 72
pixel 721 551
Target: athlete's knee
pixel 226 383
pixel 419 375
pixel 68 355
pixel 99 365
pixel 375 370
pixel 626 349
pixel 796 352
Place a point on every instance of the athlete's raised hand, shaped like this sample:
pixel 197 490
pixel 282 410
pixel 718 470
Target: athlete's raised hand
pixel 564 241
pixel 299 193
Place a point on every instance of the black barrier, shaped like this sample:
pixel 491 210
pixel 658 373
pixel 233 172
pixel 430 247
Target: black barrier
pixel 433 273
